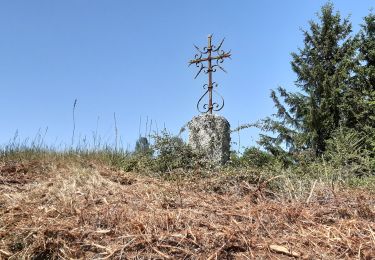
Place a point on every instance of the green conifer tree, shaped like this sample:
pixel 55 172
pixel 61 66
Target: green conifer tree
pixel 324 67
pixel 365 84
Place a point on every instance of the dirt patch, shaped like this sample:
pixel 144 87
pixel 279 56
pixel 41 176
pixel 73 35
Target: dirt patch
pixel 17 173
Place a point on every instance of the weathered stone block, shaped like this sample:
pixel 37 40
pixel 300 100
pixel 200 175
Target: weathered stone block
pixel 210 135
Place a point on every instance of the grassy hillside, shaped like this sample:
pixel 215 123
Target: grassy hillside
pixel 84 206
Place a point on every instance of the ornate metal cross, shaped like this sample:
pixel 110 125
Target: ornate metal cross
pixel 208 69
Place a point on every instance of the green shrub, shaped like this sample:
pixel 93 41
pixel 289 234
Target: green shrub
pixel 137 162
pixel 346 152
pixel 253 156
pixel 172 152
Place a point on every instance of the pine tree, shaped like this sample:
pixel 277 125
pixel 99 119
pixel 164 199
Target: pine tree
pixel 306 119
pixel 367 51
pixel 142 146
pixel 365 83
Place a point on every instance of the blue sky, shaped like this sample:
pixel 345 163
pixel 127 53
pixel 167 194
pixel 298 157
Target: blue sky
pixel 130 58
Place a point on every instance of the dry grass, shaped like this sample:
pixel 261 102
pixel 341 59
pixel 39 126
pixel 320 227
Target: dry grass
pixel 52 210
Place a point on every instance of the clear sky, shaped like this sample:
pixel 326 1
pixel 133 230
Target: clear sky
pixel 131 57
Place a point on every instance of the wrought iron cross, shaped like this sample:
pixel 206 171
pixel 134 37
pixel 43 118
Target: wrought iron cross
pixel 208 69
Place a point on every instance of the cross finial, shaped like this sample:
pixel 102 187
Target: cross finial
pixel 208 69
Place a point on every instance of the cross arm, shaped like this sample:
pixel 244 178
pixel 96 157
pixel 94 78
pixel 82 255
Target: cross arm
pixel 222 56
pixel 196 61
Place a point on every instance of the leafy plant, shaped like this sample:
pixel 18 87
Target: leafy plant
pixel 253 156
pixel 172 152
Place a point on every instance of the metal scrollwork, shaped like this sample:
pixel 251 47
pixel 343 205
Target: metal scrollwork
pixel 204 108
pixel 208 69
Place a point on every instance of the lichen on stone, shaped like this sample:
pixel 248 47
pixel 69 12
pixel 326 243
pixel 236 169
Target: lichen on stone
pixel 210 135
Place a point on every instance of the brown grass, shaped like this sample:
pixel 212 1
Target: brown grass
pixel 51 210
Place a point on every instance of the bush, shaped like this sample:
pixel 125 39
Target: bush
pixel 253 156
pixel 172 153
pixel 346 152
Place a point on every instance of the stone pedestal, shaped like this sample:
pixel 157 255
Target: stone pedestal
pixel 210 136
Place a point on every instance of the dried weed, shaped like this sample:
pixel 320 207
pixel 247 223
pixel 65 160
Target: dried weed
pixel 54 210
